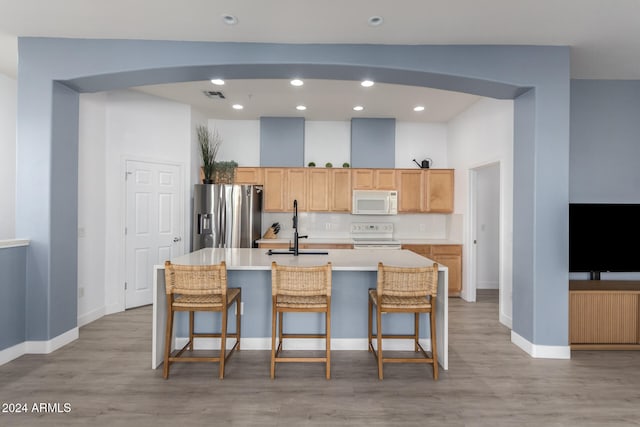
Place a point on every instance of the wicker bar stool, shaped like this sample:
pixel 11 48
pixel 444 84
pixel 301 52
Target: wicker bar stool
pixel 194 288
pixel 300 289
pixel 404 290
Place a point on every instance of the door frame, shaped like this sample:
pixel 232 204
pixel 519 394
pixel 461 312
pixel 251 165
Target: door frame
pixel 122 268
pixel 471 278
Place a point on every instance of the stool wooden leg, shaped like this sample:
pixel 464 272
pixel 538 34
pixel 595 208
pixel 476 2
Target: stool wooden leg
pixel 167 339
pixel 370 322
pixel 274 319
pixel 434 350
pixel 191 322
pixel 328 339
pixel 238 315
pixel 223 338
pixel 379 334
pixel 416 331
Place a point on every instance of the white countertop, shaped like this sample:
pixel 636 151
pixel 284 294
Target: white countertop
pixel 341 259
pixel 12 243
pixel 349 241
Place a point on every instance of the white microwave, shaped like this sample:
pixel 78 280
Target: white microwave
pixel 374 202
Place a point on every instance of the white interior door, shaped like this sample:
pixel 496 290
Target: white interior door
pixel 154 225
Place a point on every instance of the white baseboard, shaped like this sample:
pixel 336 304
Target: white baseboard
pixel 487 285
pixel 38 347
pixel 11 353
pixel 541 351
pixel 304 344
pixel 92 316
pixel 46 347
pixel 506 321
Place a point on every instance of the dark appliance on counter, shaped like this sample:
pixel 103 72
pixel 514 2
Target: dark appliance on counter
pixel 226 216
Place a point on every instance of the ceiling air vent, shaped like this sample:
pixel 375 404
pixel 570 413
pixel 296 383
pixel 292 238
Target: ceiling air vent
pixel 213 94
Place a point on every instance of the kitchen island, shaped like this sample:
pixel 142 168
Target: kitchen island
pixel 353 273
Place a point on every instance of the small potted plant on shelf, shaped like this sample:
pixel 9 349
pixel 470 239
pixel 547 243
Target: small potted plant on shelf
pixel 312 164
pixel 345 165
pixel 328 165
pixel 209 143
pixel 225 172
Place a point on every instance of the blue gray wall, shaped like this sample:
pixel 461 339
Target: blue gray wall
pixel 605 141
pixel 540 255
pixel 13 268
pixel 282 141
pixel 373 143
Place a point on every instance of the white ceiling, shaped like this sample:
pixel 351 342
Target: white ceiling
pixel 604 37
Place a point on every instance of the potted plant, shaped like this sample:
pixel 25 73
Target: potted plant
pixel 312 164
pixel 345 165
pixel 225 172
pixel 328 165
pixel 209 143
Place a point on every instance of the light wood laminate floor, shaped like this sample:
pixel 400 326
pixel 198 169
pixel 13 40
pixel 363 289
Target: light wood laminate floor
pixel 105 379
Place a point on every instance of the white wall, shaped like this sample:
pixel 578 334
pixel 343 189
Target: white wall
pixel 480 136
pixel 421 141
pixel 136 127
pixel 240 141
pixel 327 142
pixel 92 236
pixel 8 109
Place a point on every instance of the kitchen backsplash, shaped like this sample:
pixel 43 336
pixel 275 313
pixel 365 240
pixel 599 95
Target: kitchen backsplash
pixel 332 225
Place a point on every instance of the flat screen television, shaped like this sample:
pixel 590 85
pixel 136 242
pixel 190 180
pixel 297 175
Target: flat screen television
pixel 603 237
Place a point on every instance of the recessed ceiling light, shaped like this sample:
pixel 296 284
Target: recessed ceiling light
pixel 296 82
pixel 376 20
pixel 366 83
pixel 301 108
pixel 217 82
pixel 237 107
pixel 418 108
pixel 358 108
pixel 229 19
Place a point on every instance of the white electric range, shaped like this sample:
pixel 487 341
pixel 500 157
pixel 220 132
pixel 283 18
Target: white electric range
pixel 373 235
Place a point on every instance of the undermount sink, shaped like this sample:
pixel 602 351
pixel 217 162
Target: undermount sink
pixel 272 252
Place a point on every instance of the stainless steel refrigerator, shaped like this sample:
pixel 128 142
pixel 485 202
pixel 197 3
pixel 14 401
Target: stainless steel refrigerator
pixel 226 216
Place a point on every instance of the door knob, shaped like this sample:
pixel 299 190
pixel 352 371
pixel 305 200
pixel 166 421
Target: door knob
pixel 177 239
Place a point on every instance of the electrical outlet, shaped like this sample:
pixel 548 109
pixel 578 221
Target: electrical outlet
pixel 80 292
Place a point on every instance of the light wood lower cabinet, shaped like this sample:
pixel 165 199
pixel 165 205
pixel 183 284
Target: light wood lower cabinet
pixel 604 315
pixel 447 255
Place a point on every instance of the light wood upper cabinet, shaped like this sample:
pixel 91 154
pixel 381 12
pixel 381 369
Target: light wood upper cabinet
pixel 246 175
pixel 374 179
pixel 439 190
pixel 296 179
pixel 340 190
pixel 330 190
pixel 410 190
pixel 274 189
pixel 362 179
pixel 319 189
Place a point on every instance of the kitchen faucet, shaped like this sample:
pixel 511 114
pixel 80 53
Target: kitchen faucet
pixel 295 250
pixel 296 236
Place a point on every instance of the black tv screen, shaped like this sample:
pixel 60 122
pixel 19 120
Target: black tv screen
pixel 603 237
